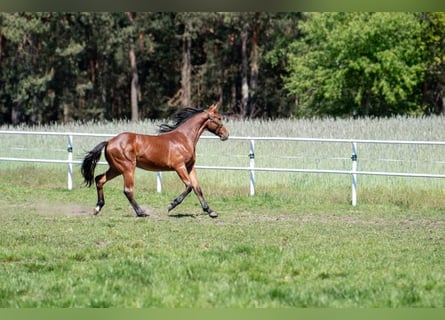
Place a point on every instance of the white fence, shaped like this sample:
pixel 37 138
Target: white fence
pixel 251 168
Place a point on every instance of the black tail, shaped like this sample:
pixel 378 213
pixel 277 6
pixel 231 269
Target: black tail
pixel 89 163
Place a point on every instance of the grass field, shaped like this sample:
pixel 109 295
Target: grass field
pixel 297 243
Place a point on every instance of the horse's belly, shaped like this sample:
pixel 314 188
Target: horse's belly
pixel 153 166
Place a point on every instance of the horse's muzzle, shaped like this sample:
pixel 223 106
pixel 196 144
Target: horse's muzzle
pixel 223 134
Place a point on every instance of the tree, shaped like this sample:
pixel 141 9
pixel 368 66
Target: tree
pixel 434 86
pixel 60 66
pixel 193 27
pixel 24 76
pixel 250 33
pixel 134 76
pixel 276 37
pixel 358 63
pixel 245 96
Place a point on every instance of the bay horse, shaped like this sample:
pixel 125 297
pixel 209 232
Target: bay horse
pixel 173 149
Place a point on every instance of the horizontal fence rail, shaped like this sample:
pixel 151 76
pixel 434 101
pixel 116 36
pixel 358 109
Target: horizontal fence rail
pixel 354 172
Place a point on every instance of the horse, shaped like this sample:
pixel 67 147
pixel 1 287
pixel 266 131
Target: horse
pixel 173 149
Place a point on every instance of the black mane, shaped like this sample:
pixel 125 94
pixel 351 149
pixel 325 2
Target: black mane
pixel 180 117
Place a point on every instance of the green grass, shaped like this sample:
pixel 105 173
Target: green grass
pixel 271 250
pixel 297 243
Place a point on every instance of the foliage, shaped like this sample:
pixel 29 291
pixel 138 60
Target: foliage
pixel 358 63
pixel 435 42
pixel 65 66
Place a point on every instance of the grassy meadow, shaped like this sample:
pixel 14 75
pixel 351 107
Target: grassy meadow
pixel 297 243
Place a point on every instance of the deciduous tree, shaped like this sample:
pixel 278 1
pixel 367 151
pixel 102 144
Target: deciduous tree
pixel 367 64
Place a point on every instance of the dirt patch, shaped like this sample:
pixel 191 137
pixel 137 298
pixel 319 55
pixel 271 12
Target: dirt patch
pixel 43 208
pixel 76 210
pixel 73 210
pixel 330 219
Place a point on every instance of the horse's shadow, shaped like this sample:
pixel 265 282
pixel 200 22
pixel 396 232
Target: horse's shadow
pixel 182 215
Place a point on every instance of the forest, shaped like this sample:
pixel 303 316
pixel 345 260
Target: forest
pixel 59 67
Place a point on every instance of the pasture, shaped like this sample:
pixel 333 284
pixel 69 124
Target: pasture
pixel 297 243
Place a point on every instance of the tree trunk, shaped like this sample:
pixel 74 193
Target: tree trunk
pixel 134 86
pixel 67 105
pixel 244 71
pixel 365 104
pixel 66 112
pixel 1 47
pixel 443 105
pixel 254 66
pixel 233 102
pixel 186 72
pixel 15 114
pixel 134 77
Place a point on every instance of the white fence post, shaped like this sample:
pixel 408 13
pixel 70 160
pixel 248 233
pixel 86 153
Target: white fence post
pixel 252 167
pixel 354 175
pixel 70 162
pixel 159 181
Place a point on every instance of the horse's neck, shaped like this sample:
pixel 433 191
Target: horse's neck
pixel 193 128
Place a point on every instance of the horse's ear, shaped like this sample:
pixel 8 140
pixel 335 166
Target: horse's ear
pixel 213 107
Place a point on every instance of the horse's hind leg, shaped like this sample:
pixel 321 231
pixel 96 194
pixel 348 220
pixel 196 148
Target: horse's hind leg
pixel 128 191
pixel 100 181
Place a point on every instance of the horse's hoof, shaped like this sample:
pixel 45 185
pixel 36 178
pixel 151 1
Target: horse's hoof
pixel 142 215
pixel 96 211
pixel 213 214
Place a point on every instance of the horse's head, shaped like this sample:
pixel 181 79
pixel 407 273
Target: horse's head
pixel 215 125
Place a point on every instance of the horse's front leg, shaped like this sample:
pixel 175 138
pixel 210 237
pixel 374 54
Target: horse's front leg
pixel 191 183
pixel 185 177
pixel 180 198
pixel 199 194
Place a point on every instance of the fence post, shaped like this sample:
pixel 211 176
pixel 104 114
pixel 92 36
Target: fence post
pixel 252 167
pixel 70 162
pixel 354 175
pixel 159 181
